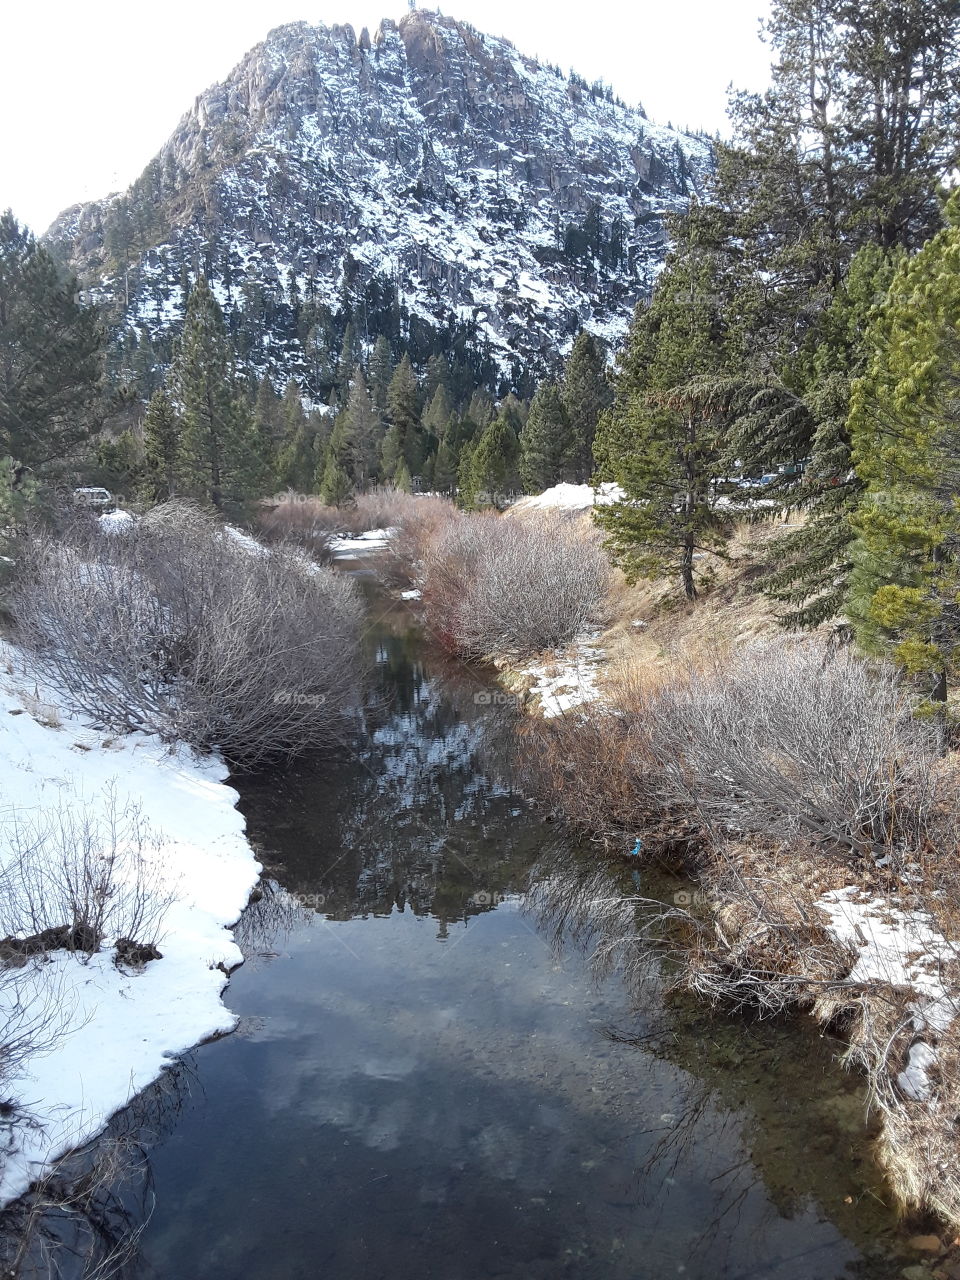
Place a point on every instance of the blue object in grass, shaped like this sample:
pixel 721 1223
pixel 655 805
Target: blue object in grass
pixel 637 849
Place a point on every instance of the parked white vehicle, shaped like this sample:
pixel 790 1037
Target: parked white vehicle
pixel 93 496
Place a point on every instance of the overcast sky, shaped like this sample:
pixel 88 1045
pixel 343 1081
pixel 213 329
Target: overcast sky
pixel 88 93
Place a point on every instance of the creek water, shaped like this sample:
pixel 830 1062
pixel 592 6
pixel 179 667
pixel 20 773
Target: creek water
pixel 428 1084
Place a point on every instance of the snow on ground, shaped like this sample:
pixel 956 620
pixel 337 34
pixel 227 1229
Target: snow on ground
pixel 115 521
pixel 570 497
pixel 245 540
pixel 119 1027
pixel 900 949
pixel 569 680
pixel 363 544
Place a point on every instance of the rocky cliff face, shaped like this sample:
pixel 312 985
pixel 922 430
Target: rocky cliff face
pixel 457 182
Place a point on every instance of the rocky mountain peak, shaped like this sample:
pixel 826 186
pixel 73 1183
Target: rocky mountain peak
pixel 473 186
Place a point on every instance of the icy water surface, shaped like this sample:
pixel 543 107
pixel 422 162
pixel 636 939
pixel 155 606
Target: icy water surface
pixel 424 1088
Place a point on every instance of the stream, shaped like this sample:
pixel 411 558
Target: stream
pixel 430 1081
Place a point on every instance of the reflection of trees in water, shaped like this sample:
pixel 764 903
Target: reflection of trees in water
pixel 420 814
pixel 772 1090
pixel 84 1219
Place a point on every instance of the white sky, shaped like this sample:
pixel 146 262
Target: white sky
pixel 88 93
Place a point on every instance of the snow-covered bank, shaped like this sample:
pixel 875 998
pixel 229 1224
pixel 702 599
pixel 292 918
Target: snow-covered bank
pixel 570 497
pixel 568 679
pixel 118 1026
pixel 364 544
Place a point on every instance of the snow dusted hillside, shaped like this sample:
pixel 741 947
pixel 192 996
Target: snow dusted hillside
pixel 429 175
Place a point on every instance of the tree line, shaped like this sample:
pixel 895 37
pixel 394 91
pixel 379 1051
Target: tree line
pixel 800 352
pixel 203 429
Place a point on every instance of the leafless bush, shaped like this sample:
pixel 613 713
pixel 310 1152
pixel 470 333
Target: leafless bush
pixel 84 1217
pixel 784 741
pixel 184 631
pixel 798 741
pixel 389 508
pixel 76 880
pixel 501 587
pixel 302 520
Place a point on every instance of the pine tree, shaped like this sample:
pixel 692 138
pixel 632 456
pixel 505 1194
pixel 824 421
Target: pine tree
pixel 437 375
pixel 360 433
pixel 495 461
pixel 905 432
pixel 391 455
pixel 662 440
pixel 847 148
pixel 219 458
pixel 445 469
pixel 437 415
pixel 51 356
pixel 545 443
pixel 296 462
pixel 381 373
pixel 402 479
pixel 403 397
pixel 812 563
pixel 161 448
pixel 335 487
pixel 586 392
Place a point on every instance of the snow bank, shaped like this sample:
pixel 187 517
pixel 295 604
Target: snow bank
pixel 569 680
pixel 900 949
pixel 115 521
pixel 570 497
pixel 364 544
pixel 119 1027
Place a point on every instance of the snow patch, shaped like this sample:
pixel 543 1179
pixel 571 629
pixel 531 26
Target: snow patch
pixel 570 680
pixel 364 544
pixel 119 1027
pixel 571 497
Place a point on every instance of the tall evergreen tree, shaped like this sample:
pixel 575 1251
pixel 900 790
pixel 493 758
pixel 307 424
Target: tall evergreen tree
pixel 161 447
pixel 545 443
pixel 381 373
pixel 51 356
pixel 403 397
pixel 662 440
pixel 219 458
pixel 586 392
pixel 361 434
pixel 494 465
pixel 905 430
pixel 812 563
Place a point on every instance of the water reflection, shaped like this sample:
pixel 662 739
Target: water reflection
pixel 431 1079
pixel 802 1122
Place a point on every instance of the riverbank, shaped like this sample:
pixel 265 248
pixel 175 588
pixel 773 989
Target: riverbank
pixel 832 895
pixel 169 847
pixel 863 936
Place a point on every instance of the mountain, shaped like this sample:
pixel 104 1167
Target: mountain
pixel 430 183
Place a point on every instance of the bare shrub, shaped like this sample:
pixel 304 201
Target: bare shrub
pixel 302 520
pixel 184 631
pixel 388 508
pixel 501 587
pixel 785 741
pixel 84 1217
pixel 798 741
pixel 76 880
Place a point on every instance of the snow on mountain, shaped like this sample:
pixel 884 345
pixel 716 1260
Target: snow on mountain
pixel 430 172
